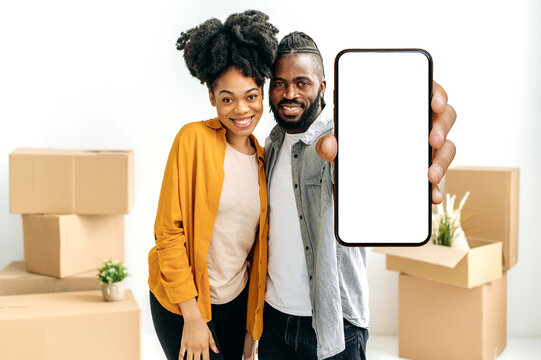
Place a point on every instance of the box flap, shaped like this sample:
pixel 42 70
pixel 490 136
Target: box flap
pixel 492 210
pixel 429 253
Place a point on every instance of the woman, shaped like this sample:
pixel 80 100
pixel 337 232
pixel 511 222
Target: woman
pixel 207 271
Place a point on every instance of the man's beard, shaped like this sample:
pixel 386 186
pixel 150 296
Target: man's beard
pixel 306 118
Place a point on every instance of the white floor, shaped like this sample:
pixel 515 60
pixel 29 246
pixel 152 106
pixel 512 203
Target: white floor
pixel 385 348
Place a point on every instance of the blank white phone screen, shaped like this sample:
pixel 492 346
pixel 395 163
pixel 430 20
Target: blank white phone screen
pixel 382 119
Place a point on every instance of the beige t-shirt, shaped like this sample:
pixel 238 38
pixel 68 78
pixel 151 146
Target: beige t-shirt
pixel 235 227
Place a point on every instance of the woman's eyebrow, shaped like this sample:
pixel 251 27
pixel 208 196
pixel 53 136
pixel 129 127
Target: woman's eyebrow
pixel 230 92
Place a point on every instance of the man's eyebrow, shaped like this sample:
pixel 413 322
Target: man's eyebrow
pixel 230 92
pixel 297 78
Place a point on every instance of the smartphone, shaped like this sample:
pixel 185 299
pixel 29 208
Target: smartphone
pixel 382 119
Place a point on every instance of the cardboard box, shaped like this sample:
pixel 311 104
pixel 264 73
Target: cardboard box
pixel 65 245
pixel 468 269
pixel 71 325
pixel 438 321
pixel 45 181
pixel 14 280
pixel 491 211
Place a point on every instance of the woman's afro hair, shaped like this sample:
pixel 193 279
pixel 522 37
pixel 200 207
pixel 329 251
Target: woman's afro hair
pixel 246 40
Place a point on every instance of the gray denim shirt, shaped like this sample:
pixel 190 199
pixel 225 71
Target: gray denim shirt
pixel 337 274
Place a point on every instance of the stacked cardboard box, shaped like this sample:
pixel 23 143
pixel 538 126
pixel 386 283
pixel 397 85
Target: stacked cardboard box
pixel 452 303
pixel 72 204
pixel 15 280
pixel 69 325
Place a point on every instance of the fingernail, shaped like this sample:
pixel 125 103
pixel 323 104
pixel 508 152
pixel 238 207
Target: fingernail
pixel 217 351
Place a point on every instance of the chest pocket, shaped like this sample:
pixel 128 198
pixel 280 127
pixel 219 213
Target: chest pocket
pixel 314 182
pixel 315 179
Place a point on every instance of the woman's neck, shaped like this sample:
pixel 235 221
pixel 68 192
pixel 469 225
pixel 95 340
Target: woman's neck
pixel 240 143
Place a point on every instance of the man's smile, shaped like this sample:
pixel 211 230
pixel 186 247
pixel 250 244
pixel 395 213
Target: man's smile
pixel 291 109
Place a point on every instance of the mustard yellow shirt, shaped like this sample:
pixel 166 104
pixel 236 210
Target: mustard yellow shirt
pixel 187 209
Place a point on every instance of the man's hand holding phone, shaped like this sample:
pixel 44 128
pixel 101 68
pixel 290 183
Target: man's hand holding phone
pixel 444 150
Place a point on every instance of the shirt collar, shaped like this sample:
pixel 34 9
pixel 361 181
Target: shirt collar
pixel 323 123
pixel 214 124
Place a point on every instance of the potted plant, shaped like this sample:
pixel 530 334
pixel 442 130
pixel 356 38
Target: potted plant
pixel 111 275
pixel 446 224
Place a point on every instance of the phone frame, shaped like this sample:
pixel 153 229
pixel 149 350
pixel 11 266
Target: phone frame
pixel 337 134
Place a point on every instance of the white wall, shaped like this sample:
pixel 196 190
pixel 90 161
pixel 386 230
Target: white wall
pixel 105 74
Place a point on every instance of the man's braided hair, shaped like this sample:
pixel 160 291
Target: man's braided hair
pixel 246 41
pixel 297 43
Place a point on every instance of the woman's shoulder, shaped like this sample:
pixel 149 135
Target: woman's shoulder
pixel 197 130
pixel 197 127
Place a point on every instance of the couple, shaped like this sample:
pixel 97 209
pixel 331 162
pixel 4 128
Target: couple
pixel 244 234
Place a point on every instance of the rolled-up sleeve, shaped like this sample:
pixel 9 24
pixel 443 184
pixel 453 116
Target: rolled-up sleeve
pixel 175 270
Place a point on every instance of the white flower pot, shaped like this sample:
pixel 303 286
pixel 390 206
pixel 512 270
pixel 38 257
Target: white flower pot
pixel 113 292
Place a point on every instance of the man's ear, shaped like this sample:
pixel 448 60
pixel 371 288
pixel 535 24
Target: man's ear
pixel 323 87
pixel 212 98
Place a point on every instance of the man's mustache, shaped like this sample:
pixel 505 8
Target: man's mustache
pixel 290 102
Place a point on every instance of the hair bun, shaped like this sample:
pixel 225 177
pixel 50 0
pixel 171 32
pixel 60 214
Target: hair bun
pixel 246 40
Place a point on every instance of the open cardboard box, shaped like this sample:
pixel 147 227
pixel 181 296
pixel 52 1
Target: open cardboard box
pixel 14 280
pixel 46 181
pixel 70 325
pixel 65 245
pixel 491 211
pixel 467 269
pixel 439 321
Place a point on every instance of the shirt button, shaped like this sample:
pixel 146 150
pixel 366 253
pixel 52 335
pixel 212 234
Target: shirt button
pixel 300 217
pixel 307 248
pixel 263 209
pixel 295 156
pixel 296 186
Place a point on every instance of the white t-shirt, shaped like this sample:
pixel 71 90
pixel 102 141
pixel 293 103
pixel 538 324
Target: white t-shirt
pixel 235 227
pixel 287 277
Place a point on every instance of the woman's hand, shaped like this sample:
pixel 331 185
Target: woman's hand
pixel 196 335
pixel 250 347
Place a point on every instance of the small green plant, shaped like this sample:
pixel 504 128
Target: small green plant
pixel 446 223
pixel 445 232
pixel 112 271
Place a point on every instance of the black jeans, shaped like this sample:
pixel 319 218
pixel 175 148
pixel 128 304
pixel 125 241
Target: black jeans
pixel 288 337
pixel 228 327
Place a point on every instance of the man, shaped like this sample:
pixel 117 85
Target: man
pixel 317 291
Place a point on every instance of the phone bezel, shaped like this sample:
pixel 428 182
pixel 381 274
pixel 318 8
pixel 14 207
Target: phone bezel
pixel 336 132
